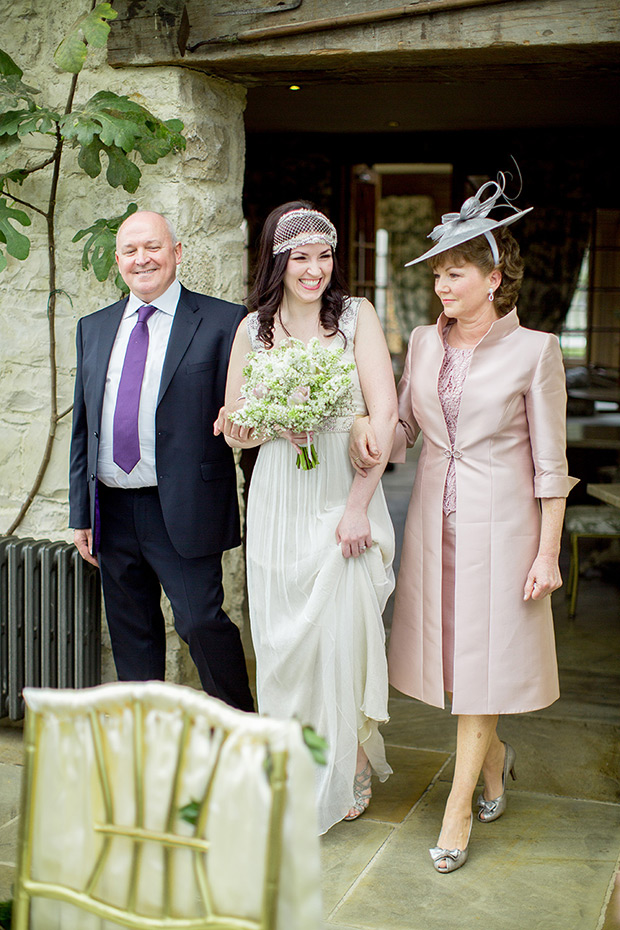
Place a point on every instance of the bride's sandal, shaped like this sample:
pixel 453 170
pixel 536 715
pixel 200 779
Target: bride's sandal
pixel 362 793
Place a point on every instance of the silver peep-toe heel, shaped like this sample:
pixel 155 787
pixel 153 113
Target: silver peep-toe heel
pixel 362 793
pixel 455 858
pixel 491 810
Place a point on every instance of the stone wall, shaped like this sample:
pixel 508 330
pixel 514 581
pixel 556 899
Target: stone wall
pixel 200 190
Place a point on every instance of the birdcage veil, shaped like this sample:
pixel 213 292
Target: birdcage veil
pixel 302 227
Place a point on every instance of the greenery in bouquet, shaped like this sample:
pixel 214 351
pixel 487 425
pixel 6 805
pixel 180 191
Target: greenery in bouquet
pixel 295 387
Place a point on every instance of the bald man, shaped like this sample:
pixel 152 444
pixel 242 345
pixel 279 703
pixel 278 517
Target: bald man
pixel 153 493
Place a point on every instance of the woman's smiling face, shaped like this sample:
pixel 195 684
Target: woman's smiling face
pixel 464 289
pixel 308 272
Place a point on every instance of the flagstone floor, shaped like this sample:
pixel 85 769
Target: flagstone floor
pixel 550 863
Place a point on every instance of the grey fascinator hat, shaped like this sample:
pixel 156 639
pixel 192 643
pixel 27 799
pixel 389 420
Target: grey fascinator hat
pixel 473 220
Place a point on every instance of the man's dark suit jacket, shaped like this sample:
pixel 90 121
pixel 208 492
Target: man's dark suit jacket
pixel 195 470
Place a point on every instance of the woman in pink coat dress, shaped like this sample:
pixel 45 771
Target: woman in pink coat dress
pixel 472 614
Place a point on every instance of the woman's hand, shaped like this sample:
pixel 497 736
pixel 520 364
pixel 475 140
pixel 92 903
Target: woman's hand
pixel 544 575
pixel 363 450
pixel 231 430
pixel 543 578
pixel 297 440
pixel 353 533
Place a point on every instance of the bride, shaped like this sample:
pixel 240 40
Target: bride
pixel 319 543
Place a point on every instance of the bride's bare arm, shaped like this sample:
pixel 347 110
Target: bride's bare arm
pixel 239 437
pixel 377 381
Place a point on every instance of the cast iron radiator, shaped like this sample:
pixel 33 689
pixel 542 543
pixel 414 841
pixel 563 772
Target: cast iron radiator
pixel 50 620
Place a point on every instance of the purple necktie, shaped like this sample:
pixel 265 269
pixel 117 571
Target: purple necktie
pixel 126 442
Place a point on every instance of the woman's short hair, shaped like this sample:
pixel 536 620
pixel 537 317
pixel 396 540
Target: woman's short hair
pixel 478 252
pixel 268 287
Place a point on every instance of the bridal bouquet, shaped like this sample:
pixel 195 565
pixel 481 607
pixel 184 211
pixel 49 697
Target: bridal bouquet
pixel 295 387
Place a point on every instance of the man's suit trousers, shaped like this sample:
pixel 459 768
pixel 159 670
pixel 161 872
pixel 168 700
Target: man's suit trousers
pixel 137 559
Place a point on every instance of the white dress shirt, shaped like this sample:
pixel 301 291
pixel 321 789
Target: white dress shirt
pixel 144 474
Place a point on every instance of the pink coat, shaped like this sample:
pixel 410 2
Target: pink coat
pixel 509 451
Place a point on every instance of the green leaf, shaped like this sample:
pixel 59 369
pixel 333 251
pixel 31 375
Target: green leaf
pixel 22 122
pixel 12 120
pixel 190 812
pixel 119 126
pixel 8 145
pixel 99 249
pixel 117 120
pixel 120 284
pixel 71 53
pixel 89 160
pixel 13 92
pixel 94 26
pixel 8 66
pixel 268 764
pixel 18 176
pixel 316 744
pixel 82 130
pixel 159 143
pixel 121 171
pixel 6 911
pixel 17 244
pixel 91 29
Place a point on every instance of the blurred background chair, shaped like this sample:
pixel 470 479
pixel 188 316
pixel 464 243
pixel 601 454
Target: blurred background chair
pixel 586 521
pixel 151 805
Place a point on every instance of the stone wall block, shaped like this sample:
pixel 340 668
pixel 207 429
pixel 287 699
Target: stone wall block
pixel 200 190
pixel 207 156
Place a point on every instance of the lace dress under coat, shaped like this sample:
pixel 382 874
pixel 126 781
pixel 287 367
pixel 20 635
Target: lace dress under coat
pixel 450 383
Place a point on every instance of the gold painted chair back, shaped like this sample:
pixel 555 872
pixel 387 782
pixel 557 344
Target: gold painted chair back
pixel 154 806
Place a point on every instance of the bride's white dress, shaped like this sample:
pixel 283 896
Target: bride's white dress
pixel 316 616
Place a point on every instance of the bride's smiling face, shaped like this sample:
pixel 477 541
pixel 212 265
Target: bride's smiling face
pixel 308 272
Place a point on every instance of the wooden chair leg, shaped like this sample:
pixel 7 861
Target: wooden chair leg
pixel 568 590
pixel 573 579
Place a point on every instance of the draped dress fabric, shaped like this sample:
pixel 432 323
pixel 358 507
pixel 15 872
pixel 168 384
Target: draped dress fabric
pixel 315 616
pixel 509 450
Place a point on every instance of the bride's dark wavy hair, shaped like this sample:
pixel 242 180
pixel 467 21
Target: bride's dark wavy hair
pixel 268 288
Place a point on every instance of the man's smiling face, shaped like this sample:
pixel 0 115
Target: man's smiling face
pixel 146 256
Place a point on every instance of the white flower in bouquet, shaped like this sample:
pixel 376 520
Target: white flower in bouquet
pixel 295 387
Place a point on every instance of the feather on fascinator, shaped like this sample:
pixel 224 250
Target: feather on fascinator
pixel 473 220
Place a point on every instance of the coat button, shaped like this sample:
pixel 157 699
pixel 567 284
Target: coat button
pixel 96 434
pixel 92 477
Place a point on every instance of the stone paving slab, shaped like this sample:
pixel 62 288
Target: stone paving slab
pixel 11 745
pixel 346 851
pixel 573 758
pixel 546 867
pixel 418 725
pixel 578 759
pixel 10 782
pixel 8 857
pixel 414 769
pixel 612 915
pixel 586 695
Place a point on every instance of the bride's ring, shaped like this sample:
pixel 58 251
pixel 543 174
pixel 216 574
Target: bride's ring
pixel 362 548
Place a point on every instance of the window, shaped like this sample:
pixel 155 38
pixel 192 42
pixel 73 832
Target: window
pixel 574 334
pixel 591 330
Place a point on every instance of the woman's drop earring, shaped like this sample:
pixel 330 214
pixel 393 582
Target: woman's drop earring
pixel 491 294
